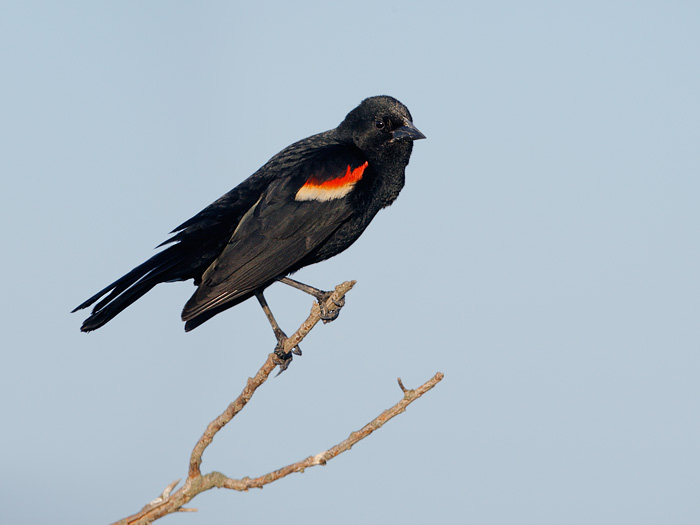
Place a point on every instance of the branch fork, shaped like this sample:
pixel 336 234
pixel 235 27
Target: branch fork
pixel 169 502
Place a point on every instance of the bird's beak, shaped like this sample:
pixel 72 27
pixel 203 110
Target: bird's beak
pixel 407 131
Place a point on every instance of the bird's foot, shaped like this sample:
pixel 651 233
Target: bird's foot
pixel 329 315
pixel 284 359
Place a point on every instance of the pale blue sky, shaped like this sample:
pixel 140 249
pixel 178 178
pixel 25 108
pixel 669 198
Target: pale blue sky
pixel 543 255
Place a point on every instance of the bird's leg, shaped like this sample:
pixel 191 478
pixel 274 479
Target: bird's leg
pixel 279 334
pixel 326 315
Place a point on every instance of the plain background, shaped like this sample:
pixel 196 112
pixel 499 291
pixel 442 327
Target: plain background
pixel 543 255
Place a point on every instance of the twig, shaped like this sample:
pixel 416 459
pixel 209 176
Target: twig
pixel 196 483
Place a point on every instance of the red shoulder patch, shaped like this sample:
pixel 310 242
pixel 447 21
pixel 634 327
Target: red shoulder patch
pixel 316 190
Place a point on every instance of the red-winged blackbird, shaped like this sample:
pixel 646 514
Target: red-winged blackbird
pixel 307 203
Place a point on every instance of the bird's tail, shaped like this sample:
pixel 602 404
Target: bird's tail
pixel 127 289
pixel 192 322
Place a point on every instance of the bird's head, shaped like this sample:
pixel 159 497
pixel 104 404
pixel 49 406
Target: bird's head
pixel 379 124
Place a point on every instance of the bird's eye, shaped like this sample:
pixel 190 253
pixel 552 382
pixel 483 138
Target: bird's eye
pixel 379 123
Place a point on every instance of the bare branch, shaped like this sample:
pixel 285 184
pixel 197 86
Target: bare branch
pixel 323 457
pixel 262 375
pixel 196 483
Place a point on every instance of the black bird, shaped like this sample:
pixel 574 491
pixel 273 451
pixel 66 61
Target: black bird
pixel 309 202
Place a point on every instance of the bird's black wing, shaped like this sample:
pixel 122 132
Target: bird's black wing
pixel 196 243
pixel 294 215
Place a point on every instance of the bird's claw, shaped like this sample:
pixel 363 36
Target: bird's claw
pixel 330 315
pixel 284 359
